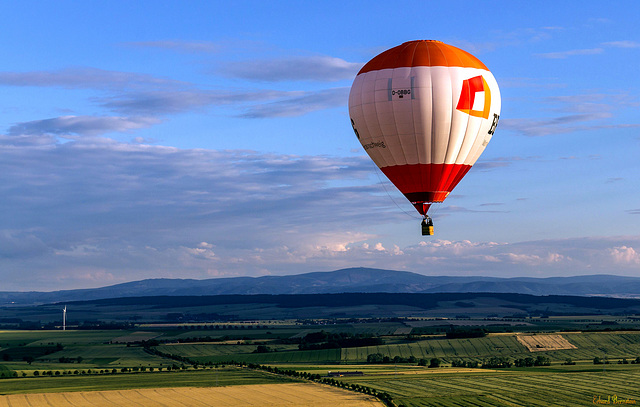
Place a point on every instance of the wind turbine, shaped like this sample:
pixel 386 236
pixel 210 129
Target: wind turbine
pixel 64 318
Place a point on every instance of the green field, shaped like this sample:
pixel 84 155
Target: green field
pixel 43 337
pixel 228 376
pixel 116 354
pixel 304 356
pixel 195 350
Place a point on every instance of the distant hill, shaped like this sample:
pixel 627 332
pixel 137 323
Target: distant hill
pixel 352 280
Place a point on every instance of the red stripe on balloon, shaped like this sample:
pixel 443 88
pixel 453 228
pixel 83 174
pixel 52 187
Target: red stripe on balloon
pixel 426 182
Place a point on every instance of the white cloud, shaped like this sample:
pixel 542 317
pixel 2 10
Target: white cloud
pixel 81 125
pixel 625 255
pixel 180 46
pixel 256 104
pixel 87 276
pixel 142 207
pixel 162 102
pixel 203 250
pixel 574 113
pixel 533 259
pixel 623 44
pixel 87 78
pixel 570 53
pixel 298 105
pixel 147 97
pixel 136 211
pixel 378 247
pixel 313 68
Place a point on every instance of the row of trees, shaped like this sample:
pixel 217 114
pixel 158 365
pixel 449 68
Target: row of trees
pixel 494 362
pixel 600 361
pixel 379 358
pixel 530 362
pixel 136 369
pixel 501 362
pixel 464 363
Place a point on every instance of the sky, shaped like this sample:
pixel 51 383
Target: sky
pixel 208 139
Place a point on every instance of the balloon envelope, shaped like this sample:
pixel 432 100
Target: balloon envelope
pixel 424 111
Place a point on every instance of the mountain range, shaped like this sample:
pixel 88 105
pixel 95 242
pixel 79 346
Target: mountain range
pixel 351 280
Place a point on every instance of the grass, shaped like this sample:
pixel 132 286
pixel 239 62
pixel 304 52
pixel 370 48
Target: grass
pixel 228 376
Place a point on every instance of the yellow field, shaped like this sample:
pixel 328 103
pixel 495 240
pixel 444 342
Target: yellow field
pixel 538 343
pixel 269 395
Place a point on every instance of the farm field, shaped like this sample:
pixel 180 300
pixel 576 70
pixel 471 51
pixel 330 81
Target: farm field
pixel 74 362
pixel 42 337
pixel 588 345
pixel 541 387
pixel 197 353
pixel 539 343
pixel 290 394
pixel 227 376
pixel 579 346
pixel 112 355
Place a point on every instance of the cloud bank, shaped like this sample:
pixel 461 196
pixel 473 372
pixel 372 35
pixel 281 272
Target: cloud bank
pixel 93 211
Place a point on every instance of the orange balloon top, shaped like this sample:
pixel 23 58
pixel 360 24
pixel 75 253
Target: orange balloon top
pixel 422 53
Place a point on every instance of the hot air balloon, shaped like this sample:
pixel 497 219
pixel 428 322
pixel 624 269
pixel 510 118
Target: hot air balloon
pixel 424 111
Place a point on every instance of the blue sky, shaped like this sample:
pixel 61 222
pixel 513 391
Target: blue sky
pixel 205 139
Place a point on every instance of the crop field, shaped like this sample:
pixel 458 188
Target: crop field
pixel 539 343
pixel 304 356
pixel 576 346
pixel 502 345
pixel 195 350
pixel 253 334
pixel 69 337
pixel 135 337
pixel 274 331
pixel 378 329
pixel 115 360
pixel 290 394
pixel 477 348
pixel 542 387
pixel 115 353
pixel 587 346
pixel 613 345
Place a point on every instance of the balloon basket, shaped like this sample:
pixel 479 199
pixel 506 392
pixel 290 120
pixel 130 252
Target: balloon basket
pixel 427 226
